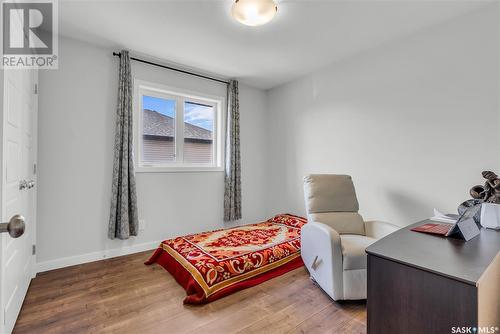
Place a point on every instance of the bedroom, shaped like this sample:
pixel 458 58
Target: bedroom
pixel 402 96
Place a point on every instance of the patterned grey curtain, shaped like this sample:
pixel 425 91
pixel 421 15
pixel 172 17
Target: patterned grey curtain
pixel 232 179
pixel 123 220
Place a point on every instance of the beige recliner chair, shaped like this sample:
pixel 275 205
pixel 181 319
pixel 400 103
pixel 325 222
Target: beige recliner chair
pixel 335 238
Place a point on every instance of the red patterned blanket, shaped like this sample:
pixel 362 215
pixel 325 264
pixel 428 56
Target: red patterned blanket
pixel 214 264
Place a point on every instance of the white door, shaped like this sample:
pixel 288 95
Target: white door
pixel 18 190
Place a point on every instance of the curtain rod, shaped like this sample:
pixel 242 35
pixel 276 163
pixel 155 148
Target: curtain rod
pixel 118 54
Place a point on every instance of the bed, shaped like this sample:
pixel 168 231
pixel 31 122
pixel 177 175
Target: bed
pixel 211 265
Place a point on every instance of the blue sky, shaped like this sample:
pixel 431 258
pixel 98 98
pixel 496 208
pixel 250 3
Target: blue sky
pixel 196 114
pixel 165 107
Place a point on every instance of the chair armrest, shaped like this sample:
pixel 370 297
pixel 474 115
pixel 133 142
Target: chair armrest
pixel 379 229
pixel 328 234
pixel 322 255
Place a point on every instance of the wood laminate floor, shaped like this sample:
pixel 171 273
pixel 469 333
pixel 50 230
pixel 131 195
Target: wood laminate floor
pixel 122 295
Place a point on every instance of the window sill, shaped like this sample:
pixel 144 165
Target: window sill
pixel 144 169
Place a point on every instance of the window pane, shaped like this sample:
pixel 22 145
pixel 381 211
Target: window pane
pixel 198 133
pixel 158 125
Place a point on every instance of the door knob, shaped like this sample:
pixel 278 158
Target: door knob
pixel 15 226
pixel 30 184
pixel 23 184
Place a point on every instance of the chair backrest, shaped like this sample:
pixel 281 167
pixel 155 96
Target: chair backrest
pixel 331 199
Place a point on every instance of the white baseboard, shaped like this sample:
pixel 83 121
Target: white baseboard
pixel 94 256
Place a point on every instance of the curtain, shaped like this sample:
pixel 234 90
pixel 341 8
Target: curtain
pixel 232 178
pixel 123 220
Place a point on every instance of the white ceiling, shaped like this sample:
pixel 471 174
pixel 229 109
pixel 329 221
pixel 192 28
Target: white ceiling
pixel 304 36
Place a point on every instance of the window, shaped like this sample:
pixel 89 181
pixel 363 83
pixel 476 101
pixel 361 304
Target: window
pixel 176 130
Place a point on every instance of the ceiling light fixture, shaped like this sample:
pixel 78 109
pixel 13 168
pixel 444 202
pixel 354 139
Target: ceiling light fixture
pixel 254 12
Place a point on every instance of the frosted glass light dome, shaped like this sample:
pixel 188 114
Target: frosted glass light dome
pixel 254 12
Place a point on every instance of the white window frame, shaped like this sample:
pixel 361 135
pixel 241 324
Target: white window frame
pixel 141 88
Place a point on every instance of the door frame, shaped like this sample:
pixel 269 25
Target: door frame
pixel 35 172
pixel 2 104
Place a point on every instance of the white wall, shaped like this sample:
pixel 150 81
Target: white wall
pixel 414 122
pixel 76 136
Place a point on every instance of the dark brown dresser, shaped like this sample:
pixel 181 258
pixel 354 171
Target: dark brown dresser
pixel 420 283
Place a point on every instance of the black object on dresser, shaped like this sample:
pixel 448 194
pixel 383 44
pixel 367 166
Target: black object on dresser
pixel 421 283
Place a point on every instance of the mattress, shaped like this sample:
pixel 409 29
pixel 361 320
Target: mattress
pixel 213 264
